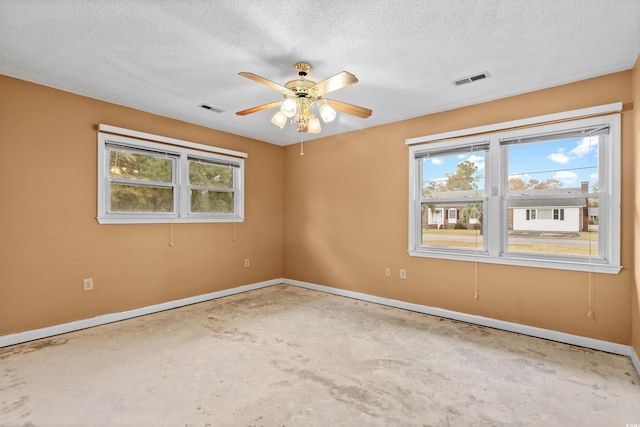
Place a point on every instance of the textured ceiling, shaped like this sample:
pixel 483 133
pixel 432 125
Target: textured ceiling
pixel 168 57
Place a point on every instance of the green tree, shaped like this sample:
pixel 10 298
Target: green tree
pixel 137 167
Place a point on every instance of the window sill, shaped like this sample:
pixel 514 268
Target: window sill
pixel 167 220
pixel 522 262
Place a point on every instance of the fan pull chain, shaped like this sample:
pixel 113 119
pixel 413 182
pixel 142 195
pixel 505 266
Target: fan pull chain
pixel 301 145
pixel 233 237
pixel 171 235
pixel 590 312
pixel 476 295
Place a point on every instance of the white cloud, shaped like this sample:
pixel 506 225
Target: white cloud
pixel 566 177
pixel 559 157
pixel 436 160
pixel 477 160
pixel 584 147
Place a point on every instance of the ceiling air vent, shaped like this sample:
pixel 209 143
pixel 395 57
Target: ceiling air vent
pixel 470 79
pixel 210 108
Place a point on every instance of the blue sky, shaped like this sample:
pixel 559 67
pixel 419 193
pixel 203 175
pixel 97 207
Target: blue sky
pixel 570 161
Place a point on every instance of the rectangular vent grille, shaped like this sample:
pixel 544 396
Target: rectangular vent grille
pixel 210 108
pixel 470 79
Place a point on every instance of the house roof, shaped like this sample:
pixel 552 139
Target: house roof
pixel 550 203
pixel 554 199
pixel 169 57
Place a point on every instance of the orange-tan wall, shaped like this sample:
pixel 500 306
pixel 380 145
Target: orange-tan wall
pixel 50 240
pixel 346 214
pixel 635 296
pixel 336 216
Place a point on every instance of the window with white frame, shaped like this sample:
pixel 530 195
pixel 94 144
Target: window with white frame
pixel 521 196
pixel 153 182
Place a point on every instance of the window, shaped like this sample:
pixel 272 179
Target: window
pixel 459 183
pixel 521 197
pixel 558 214
pixel 149 182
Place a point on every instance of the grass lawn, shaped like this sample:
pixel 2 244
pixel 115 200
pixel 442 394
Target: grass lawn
pixel 472 239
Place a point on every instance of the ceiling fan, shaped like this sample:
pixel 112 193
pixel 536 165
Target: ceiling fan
pixel 302 95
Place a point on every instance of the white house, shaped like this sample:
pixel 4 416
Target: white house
pixel 549 215
pixel 550 210
pixel 561 209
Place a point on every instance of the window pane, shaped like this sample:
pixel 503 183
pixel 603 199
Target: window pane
pixel 544 214
pixel 572 233
pixel 210 175
pixel 205 201
pixel 549 186
pixel 134 166
pixel 439 229
pixel 560 166
pixel 453 176
pixel 134 198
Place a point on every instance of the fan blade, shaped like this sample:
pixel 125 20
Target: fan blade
pixel 336 82
pixel 266 82
pixel 354 110
pixel 259 108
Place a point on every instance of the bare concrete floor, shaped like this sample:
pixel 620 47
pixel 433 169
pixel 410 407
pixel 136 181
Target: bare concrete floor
pixel 285 356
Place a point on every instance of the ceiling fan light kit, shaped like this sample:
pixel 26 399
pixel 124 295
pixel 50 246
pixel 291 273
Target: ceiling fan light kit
pixel 302 96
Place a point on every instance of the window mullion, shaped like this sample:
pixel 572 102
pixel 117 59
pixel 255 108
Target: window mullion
pixel 494 191
pixel 183 188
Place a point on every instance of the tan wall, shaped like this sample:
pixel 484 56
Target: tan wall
pixel 346 214
pixel 635 296
pixel 344 205
pixel 51 240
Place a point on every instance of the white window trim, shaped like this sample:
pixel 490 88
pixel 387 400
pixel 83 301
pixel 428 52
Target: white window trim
pixel 609 238
pixel 181 149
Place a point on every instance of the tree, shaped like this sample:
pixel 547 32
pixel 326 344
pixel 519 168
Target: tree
pixel 518 184
pixel 595 188
pixel 547 184
pixel 138 167
pixel 462 178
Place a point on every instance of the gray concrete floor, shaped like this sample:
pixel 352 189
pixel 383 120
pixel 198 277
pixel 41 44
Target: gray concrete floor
pixel 285 356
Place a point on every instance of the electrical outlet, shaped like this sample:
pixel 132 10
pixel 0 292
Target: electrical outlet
pixel 387 271
pixel 403 273
pixel 247 262
pixel 88 284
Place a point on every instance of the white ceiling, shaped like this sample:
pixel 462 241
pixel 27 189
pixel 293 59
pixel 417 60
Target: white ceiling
pixel 169 56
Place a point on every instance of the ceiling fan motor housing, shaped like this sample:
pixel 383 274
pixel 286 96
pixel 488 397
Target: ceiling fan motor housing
pixel 302 88
pixel 303 68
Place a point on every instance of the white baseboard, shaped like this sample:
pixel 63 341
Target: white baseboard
pixel 63 328
pixel 635 360
pixel 547 334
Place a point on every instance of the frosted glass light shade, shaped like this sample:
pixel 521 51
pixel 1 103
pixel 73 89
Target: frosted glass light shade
pixel 314 125
pixel 279 119
pixel 327 113
pixel 289 107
